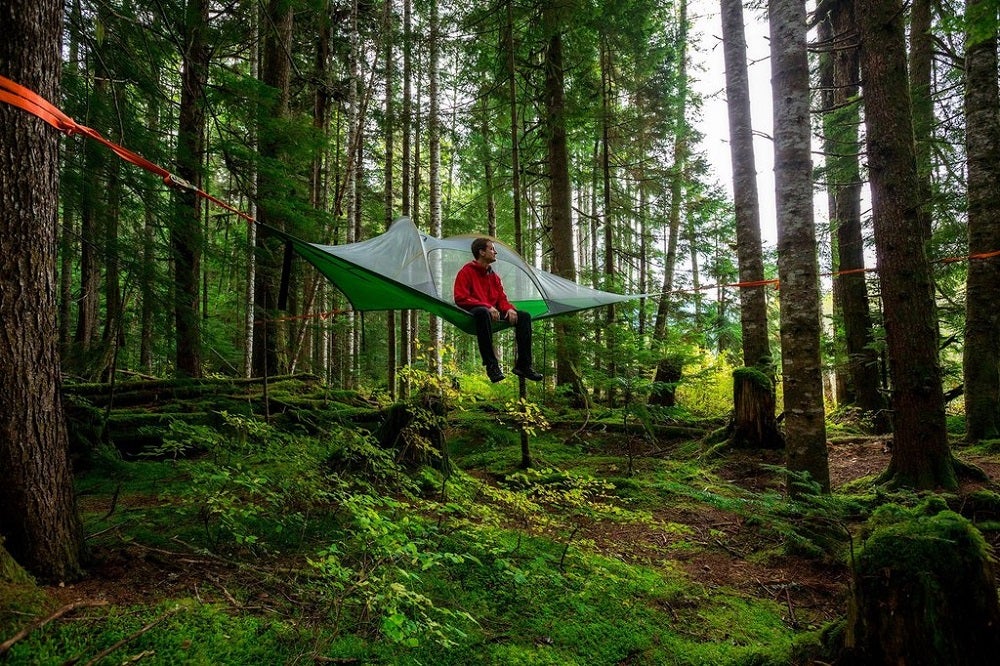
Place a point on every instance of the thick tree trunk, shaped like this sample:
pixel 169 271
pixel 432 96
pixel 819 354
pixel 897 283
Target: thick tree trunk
pixel 921 72
pixel 798 270
pixel 981 361
pixel 669 371
pixel 920 454
pixel 38 515
pixel 276 73
pixel 186 233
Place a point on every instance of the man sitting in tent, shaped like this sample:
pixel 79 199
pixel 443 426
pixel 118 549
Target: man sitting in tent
pixel 479 290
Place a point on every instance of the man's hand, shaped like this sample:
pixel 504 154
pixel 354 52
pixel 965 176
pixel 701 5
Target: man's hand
pixel 512 316
pixel 494 314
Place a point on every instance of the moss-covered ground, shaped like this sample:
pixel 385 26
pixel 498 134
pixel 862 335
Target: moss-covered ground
pixel 232 540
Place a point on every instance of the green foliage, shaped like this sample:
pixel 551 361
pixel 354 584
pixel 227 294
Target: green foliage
pixel 181 439
pixel 254 487
pixel 387 552
pixel 707 389
pixel 526 416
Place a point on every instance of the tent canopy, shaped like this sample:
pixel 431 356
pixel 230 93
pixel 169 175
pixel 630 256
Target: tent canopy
pixel 406 269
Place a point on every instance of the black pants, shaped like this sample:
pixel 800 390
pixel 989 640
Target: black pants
pixel 484 333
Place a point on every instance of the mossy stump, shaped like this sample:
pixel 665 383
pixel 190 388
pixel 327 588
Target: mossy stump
pixel 414 430
pixel 754 422
pixel 668 373
pixel 924 593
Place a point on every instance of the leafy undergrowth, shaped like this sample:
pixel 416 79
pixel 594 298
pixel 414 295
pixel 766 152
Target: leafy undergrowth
pixel 242 543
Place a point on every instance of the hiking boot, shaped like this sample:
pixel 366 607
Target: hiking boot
pixel 494 372
pixel 528 373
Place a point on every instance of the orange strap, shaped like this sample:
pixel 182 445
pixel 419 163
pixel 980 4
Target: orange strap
pixel 27 100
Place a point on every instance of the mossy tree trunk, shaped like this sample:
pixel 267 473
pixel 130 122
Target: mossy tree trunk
pixel 925 593
pixel 754 422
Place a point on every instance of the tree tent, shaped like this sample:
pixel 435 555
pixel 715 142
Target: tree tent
pixel 406 269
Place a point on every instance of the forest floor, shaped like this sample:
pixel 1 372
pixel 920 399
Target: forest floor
pixel 139 559
pixel 134 573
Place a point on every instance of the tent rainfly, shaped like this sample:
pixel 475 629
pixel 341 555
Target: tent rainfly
pixel 407 269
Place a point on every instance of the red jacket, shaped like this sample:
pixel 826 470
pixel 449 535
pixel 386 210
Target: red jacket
pixel 477 285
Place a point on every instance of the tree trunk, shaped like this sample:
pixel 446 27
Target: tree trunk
pixel 664 368
pixel 489 178
pixel 753 300
pixel 91 212
pixel 801 367
pixel 560 205
pixel 754 424
pixel 250 281
pixel 276 73
pixel 38 517
pixel 186 234
pixel 669 371
pixel 607 68
pixel 843 176
pixel 921 72
pixel 390 142
pixel 920 454
pixel 434 165
pixel 404 168
pixel 981 360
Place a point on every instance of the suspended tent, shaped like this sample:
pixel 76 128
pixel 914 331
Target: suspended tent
pixel 406 269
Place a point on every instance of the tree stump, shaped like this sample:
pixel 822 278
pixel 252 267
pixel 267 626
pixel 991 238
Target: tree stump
pixel 668 373
pixel 924 593
pixel 414 430
pixel 754 422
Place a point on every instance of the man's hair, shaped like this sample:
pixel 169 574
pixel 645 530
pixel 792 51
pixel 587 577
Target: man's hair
pixel 478 246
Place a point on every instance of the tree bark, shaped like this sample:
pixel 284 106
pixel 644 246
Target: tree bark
pixel 434 165
pixel 38 517
pixel 405 170
pixel 753 300
pixel 920 454
pixel 921 72
pixel 981 354
pixel 754 424
pixel 276 73
pixel 843 176
pixel 186 233
pixel 805 427
pixel 560 204
pixel 389 194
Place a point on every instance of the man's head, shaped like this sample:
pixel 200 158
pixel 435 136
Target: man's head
pixel 484 250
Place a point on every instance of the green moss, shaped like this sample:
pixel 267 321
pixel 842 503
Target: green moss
pixel 753 375
pixel 927 548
